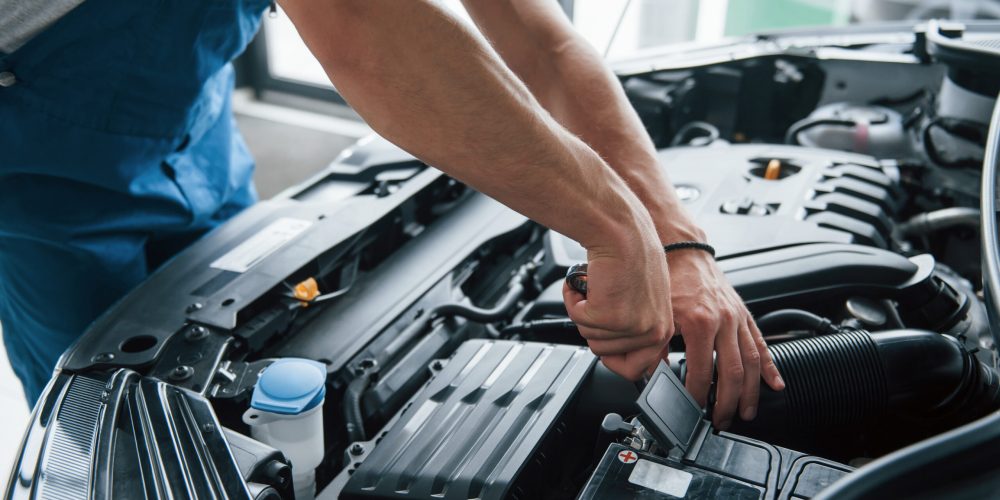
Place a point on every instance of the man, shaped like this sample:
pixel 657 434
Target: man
pixel 121 149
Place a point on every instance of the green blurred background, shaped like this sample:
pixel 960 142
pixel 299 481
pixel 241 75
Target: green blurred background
pixel 750 16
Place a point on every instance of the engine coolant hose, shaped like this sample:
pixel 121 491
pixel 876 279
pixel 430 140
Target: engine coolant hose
pixel 940 219
pixel 852 379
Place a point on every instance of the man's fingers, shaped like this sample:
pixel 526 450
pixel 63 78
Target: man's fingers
pixel 619 346
pixel 594 333
pixel 660 357
pixel 576 305
pixel 634 364
pixel 731 373
pixel 751 373
pixel 700 363
pixel 768 370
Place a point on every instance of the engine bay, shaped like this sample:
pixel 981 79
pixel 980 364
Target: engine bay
pixel 836 175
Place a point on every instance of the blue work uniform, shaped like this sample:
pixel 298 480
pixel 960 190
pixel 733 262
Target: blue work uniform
pixel 118 148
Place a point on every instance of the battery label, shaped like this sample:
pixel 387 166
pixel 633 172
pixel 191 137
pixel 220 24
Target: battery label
pixel 256 248
pixel 660 478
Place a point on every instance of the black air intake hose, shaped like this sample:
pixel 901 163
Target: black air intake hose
pixel 853 379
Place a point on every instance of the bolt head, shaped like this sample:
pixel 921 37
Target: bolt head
pixel 104 357
pixel 181 373
pixel 196 333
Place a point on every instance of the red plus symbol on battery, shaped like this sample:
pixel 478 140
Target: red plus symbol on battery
pixel 627 457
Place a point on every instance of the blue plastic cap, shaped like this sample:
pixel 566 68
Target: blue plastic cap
pixel 290 386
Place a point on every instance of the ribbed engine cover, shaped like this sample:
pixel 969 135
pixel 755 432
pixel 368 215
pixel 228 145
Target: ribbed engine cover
pixel 476 425
pixel 818 196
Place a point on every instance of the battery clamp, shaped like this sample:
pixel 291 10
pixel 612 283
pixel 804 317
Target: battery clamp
pixel 670 414
pixel 688 459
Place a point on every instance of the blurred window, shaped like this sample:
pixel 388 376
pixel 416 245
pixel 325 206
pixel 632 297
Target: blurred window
pixel 620 28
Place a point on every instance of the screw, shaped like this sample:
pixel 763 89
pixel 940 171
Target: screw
pixel 196 333
pixel 181 373
pixel 437 365
pixel 104 357
pixel 7 79
pixel 357 449
pixel 193 307
pixel 208 428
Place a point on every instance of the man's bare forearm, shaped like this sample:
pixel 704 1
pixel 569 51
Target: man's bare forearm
pixel 426 83
pixel 570 80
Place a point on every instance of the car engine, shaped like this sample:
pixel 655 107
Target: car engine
pixel 382 331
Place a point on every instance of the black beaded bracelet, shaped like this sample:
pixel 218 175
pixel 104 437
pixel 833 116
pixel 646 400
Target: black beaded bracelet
pixel 683 245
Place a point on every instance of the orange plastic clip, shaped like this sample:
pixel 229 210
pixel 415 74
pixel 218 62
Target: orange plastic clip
pixel 306 291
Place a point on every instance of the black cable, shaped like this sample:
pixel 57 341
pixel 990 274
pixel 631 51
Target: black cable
pixel 893 315
pixel 681 134
pixel 787 320
pixel 950 126
pixel 354 421
pixel 889 102
pixel 791 137
pixel 539 325
pixel 470 312
pixel 480 315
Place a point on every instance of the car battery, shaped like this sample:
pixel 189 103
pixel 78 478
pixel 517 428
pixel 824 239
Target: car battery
pixel 693 461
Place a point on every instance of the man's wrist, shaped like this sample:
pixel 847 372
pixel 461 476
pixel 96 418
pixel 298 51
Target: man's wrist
pixel 689 245
pixel 673 225
pixel 675 234
pixel 627 227
pixel 614 219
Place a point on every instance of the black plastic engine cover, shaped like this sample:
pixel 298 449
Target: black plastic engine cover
pixel 820 196
pixel 480 426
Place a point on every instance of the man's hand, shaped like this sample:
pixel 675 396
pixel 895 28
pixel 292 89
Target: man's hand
pixel 710 316
pixel 625 315
pixel 570 80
